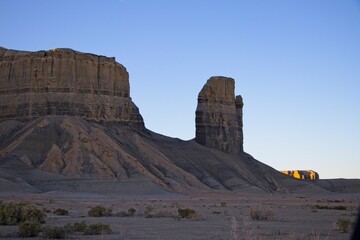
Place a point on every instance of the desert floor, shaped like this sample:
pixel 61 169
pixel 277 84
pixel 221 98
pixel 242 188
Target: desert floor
pixel 218 216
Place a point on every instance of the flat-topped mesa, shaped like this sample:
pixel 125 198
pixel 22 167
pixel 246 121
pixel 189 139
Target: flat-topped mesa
pixel 219 116
pixel 65 82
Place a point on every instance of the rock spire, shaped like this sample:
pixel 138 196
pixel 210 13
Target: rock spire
pixel 219 116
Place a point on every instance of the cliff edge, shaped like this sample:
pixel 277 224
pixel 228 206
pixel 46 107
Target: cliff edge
pixel 65 82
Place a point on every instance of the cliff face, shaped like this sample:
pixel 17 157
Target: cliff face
pixel 65 82
pixel 219 116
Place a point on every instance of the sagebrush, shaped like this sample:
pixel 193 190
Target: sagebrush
pixel 343 225
pixel 187 213
pixel 15 213
pixel 98 229
pixel 29 229
pixel 99 211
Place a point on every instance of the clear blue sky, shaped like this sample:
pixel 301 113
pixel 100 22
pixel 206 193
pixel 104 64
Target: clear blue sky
pixel 295 62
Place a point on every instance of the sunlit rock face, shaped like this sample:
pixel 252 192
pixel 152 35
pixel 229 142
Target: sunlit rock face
pixel 65 82
pixel 302 174
pixel 219 116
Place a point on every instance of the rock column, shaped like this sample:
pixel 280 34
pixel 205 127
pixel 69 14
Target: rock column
pixel 219 116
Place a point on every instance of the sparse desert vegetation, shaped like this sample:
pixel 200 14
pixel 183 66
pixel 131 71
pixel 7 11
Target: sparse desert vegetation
pixel 337 207
pixel 56 232
pixel 29 229
pixel 187 213
pixel 79 226
pixel 61 212
pixel 242 218
pixel 344 225
pixel 97 229
pixel 13 213
pixel 261 214
pixel 99 211
pixel 131 211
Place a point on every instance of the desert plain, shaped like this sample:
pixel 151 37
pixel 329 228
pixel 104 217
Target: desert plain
pixel 217 215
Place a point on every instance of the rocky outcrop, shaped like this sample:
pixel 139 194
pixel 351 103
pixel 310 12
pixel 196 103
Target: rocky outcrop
pixel 219 116
pixel 59 149
pixel 65 82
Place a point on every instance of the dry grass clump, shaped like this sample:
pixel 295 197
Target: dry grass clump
pixel 148 211
pixel 249 233
pixel 56 232
pixel 61 212
pixel 223 204
pixel 29 229
pixel 79 226
pixel 343 225
pixel 187 213
pixel 61 232
pixel 99 211
pixel 320 236
pixel 130 213
pixel 162 213
pixel 234 226
pixel 98 229
pixel 261 214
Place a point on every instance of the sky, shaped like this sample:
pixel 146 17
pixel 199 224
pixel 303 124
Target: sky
pixel 296 64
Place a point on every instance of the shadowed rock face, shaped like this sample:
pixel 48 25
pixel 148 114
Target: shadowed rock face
pixel 65 82
pixel 219 116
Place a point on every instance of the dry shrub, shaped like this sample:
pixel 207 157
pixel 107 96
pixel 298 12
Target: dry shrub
pixel 98 229
pixel 56 232
pixel 14 213
pixel 261 214
pixel 79 226
pixel 188 213
pixel 131 211
pixel 343 224
pixel 249 233
pixel 122 214
pixel 61 212
pixel 29 229
pixel 320 236
pixel 338 207
pixel 164 214
pixel 99 211
pixel 148 211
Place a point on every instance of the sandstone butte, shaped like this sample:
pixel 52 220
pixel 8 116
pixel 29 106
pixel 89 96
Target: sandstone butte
pixel 66 115
pixel 65 82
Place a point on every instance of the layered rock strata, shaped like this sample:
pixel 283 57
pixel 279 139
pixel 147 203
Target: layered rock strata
pixel 65 82
pixel 219 116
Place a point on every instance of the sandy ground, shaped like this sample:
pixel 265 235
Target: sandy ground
pixel 219 216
